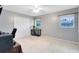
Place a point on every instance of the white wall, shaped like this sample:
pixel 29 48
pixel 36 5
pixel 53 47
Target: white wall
pixel 10 20
pixel 23 24
pixel 51 26
pixel 6 21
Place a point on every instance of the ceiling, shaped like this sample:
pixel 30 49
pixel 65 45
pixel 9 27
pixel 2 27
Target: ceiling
pixel 45 9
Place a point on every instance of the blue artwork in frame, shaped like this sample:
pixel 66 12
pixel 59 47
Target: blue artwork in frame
pixel 67 21
pixel 38 23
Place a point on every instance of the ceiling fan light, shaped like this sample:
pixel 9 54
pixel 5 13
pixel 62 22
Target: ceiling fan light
pixel 36 10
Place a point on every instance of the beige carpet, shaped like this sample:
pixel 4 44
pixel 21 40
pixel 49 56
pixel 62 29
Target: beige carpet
pixel 46 44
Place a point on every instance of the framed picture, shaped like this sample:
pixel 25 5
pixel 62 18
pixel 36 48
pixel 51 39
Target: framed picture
pixel 67 21
pixel 38 23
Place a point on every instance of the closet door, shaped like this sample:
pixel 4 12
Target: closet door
pixel 23 25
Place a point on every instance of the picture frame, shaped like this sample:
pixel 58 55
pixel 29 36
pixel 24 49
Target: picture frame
pixel 67 21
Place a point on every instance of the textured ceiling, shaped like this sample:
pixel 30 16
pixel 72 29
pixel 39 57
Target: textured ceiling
pixel 45 9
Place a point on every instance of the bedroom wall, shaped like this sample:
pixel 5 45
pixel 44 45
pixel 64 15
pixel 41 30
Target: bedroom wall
pixel 51 27
pixel 6 21
pixel 23 24
pixel 10 20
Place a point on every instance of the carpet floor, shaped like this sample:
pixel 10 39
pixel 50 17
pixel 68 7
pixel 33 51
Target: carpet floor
pixel 46 44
